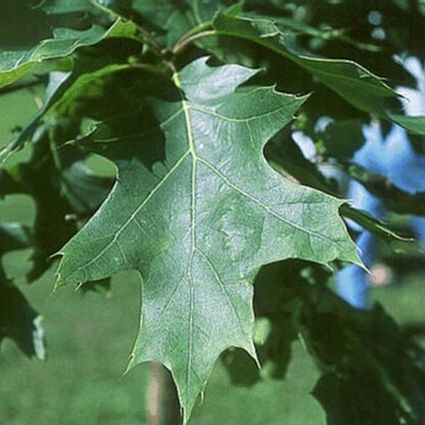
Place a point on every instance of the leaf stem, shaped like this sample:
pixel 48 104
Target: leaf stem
pixel 196 29
pixel 149 39
pixel 148 68
pixel 186 40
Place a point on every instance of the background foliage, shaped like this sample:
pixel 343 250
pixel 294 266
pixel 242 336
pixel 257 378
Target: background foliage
pixel 104 78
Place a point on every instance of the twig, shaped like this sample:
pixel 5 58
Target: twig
pixel 185 41
pixel 149 39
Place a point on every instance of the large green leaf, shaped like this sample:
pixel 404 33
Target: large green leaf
pixel 23 49
pixel 197 210
pixel 351 81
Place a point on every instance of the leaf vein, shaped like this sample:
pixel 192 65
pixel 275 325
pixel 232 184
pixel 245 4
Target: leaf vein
pixel 135 212
pixel 231 119
pixel 261 204
pixel 225 292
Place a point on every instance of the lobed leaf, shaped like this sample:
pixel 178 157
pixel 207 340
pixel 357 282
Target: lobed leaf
pixel 351 81
pixel 197 210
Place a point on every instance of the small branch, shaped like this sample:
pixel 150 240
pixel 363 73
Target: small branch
pixel 186 40
pixel 149 39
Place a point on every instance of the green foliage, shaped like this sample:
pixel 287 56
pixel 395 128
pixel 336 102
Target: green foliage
pixel 18 320
pixel 198 221
pixel 201 206
pixel 41 40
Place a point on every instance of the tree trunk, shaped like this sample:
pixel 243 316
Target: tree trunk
pixel 162 401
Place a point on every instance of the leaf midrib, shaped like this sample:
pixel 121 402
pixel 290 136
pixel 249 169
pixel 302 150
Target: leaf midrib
pixel 186 107
pixel 192 151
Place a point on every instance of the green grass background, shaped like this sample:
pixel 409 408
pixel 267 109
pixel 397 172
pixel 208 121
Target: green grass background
pixel 90 337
